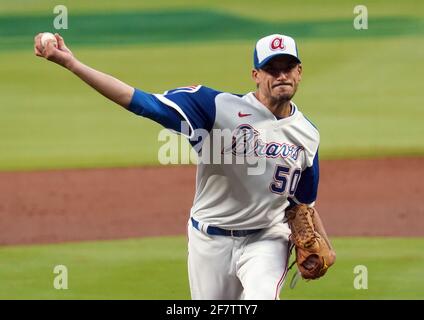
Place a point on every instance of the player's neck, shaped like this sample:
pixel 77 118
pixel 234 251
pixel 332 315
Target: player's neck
pixel 278 108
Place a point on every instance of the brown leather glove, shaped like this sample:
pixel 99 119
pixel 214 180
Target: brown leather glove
pixel 314 253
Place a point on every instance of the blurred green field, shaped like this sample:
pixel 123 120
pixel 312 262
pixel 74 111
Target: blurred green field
pixel 155 268
pixel 268 9
pixel 361 88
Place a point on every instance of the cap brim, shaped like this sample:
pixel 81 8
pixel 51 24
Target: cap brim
pixel 267 59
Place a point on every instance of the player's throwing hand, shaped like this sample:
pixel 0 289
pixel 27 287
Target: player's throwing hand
pixel 60 55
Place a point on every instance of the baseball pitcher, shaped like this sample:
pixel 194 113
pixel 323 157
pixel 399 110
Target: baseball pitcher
pixel 242 225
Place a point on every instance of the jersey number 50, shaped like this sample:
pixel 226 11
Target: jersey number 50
pixel 283 178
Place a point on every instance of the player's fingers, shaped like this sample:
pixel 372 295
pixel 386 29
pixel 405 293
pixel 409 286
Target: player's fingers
pixel 60 41
pixel 49 49
pixel 37 42
pixel 37 52
pixel 37 46
pixel 37 36
pixel 53 43
pixel 59 38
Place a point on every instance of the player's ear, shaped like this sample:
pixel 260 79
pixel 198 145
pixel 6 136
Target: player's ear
pixel 255 76
pixel 299 70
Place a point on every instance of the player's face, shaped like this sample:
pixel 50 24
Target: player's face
pixel 278 79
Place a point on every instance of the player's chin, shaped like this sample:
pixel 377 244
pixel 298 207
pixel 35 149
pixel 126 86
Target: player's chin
pixel 283 96
pixel 281 91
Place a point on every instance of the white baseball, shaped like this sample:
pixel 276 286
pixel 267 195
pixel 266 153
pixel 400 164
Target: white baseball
pixel 47 36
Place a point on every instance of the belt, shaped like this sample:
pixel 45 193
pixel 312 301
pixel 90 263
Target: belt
pixel 215 231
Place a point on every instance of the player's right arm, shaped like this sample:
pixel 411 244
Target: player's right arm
pixel 110 87
pixel 194 105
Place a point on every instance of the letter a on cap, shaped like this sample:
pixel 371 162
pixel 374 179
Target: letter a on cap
pixel 277 44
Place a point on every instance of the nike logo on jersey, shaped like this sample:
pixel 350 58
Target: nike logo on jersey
pixel 241 115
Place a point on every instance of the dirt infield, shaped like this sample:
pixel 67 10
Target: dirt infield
pixel 356 197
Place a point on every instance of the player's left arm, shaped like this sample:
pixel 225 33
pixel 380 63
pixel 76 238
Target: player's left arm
pixel 307 188
pixel 306 193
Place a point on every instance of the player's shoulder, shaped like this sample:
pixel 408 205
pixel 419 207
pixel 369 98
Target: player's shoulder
pixel 197 89
pixel 308 125
pixel 306 121
pixel 200 90
pixel 197 94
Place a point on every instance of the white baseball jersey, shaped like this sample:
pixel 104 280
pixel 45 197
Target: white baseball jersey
pixel 227 195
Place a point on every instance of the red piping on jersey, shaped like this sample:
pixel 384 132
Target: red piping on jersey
pixel 280 282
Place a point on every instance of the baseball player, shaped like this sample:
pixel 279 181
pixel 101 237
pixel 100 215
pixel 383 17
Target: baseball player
pixel 239 242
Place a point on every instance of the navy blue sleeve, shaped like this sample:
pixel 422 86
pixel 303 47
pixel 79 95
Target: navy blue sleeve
pixel 307 188
pixel 148 106
pixel 196 105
